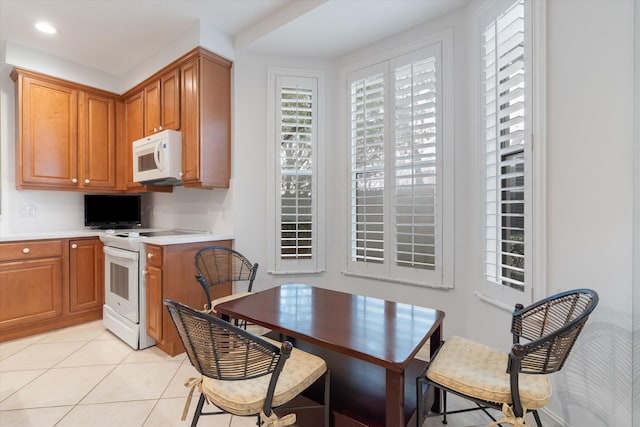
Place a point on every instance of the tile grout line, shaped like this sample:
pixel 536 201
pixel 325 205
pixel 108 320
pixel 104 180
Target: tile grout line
pixel 163 391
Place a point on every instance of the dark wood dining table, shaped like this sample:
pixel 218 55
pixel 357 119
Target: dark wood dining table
pixel 369 344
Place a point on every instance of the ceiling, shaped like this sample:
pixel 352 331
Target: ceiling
pixel 115 35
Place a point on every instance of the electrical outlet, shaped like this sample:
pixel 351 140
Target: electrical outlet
pixel 28 211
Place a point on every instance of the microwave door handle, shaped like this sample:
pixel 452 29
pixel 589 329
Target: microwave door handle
pixel 156 156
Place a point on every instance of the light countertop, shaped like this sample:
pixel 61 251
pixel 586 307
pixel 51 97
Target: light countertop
pixel 43 235
pixel 186 238
pixel 160 240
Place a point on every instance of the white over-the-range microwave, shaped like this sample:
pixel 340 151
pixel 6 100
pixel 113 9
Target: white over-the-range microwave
pixel 157 159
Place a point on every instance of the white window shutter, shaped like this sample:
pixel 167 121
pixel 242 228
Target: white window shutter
pixel 367 168
pixel 416 164
pixel 397 164
pixel 296 172
pixel 504 147
pixel 295 208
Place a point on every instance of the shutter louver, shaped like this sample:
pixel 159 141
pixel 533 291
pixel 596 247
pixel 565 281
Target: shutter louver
pixel 296 173
pixel 504 106
pixel 415 164
pixel 367 167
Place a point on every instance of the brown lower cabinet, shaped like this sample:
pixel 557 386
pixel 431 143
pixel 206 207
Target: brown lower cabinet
pixel 86 275
pixel 170 273
pixel 49 284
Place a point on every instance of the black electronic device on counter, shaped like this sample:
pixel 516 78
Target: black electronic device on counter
pixel 112 210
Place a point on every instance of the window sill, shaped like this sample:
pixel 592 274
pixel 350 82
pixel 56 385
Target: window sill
pixel 284 273
pixel 393 280
pixel 494 302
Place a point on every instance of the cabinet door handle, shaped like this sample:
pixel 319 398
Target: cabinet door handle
pixel 145 272
pixel 26 250
pixel 86 181
pixel 149 255
pixel 160 128
pixel 74 246
pixel 74 180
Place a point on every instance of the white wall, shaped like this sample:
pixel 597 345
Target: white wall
pixel 249 154
pixel 636 233
pixel 250 168
pixel 590 149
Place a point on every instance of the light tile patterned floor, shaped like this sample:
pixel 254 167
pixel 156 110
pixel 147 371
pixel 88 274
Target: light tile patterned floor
pixel 85 376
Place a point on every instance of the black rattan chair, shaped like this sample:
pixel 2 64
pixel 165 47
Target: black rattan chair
pixel 243 374
pixel 516 382
pixel 216 265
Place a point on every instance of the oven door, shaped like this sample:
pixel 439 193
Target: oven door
pixel 121 282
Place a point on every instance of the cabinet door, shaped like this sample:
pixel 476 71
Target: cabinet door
pixel 48 140
pixel 215 122
pixel 86 275
pixel 206 122
pixel 170 100
pixel 152 108
pixel 155 306
pixel 134 130
pixel 190 122
pixel 97 141
pixel 30 291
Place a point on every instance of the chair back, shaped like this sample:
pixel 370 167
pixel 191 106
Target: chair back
pixel 220 350
pixel 219 264
pixel 551 327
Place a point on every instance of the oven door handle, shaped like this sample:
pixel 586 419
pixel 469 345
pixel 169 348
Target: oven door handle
pixel 116 253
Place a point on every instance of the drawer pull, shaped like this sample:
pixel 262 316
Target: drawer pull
pixel 26 250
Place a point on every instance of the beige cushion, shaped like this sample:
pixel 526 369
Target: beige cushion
pixel 479 371
pixel 246 397
pixel 227 298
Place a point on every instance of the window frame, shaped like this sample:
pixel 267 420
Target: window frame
pixel 276 264
pixel 442 276
pixel 535 159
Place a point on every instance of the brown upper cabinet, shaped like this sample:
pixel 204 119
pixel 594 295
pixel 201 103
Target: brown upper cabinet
pixel 66 135
pixel 133 130
pixel 206 118
pixel 72 137
pixel 199 106
pixel 162 103
pixel 97 141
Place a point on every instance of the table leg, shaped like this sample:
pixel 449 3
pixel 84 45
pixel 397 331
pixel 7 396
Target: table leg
pixel 395 399
pixel 434 343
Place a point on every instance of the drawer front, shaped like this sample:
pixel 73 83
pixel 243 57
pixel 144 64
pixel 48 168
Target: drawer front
pixel 154 255
pixel 30 249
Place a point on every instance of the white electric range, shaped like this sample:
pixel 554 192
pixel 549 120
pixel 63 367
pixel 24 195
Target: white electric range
pixel 124 311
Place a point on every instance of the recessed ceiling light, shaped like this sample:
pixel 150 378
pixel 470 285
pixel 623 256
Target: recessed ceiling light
pixel 46 28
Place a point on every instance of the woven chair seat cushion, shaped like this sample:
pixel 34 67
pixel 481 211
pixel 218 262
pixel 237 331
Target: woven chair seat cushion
pixel 479 371
pixel 227 298
pixel 246 397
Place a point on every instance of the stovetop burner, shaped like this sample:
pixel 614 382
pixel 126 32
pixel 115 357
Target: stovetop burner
pixel 151 233
pixel 132 239
pixel 167 233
